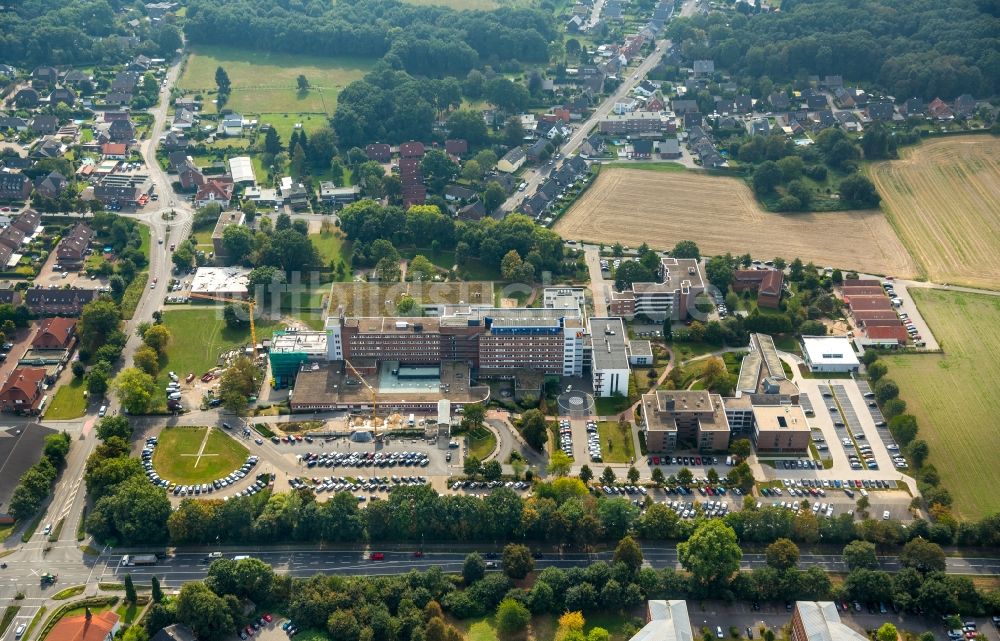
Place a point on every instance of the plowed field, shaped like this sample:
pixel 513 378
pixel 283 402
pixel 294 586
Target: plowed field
pixel 721 215
pixel 943 198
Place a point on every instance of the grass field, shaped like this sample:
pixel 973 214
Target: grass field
pixel 68 402
pixel 176 456
pixel 199 336
pixel 953 395
pixel 646 166
pixel 266 82
pixel 616 444
pixel 329 245
pixel 721 215
pixel 943 198
pixel 481 443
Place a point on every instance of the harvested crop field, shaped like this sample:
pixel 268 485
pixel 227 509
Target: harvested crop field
pixel 943 197
pixel 721 215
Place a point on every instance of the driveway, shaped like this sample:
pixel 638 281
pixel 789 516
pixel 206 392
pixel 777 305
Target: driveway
pixel 598 286
pixel 909 307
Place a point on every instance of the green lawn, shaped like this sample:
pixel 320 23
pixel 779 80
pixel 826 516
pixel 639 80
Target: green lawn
pixel 144 235
pixel 265 82
pixel 329 245
pixel 649 166
pixel 199 336
pixel 68 402
pixel 953 395
pixel 175 458
pixel 481 443
pixel 606 406
pixel 284 123
pixel 616 445
pixel 86 135
pixel 128 612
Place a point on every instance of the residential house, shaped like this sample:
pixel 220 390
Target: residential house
pixel 693 119
pixel 58 302
pixel 231 124
pixel 330 194
pixel 454 193
pixel 683 106
pixel 965 106
pixel 472 212
pixel 122 190
pixel 215 190
pixel 669 149
pixel 456 146
pixel 642 149
pixel 121 131
pixel 768 284
pixel 64 95
pixel 881 110
pixel 843 98
pixel 114 151
pixel 86 627
pixel 512 160
pixel 13 123
pixel 174 141
pixel 10 297
pixel 379 152
pixel 534 206
pixel 125 82
pixel 816 101
pixel 574 24
pixel 939 110
pixel 44 76
pixel 412 150
pixel 72 249
pixel 654 105
pixel 76 77
pixel 779 101
pixel 704 68
pixel 184 119
pixel 7 71
pixel 27 98
pixel 47 148
pixel 22 392
pixel 12 237
pixel 118 98
pixel 538 150
pixel 188 174
pixel 52 185
pixel 759 127
pixel 56 332
pixel 140 64
pixel 742 104
pixel 28 221
pixel 14 186
pixel 913 107
pixel 113 115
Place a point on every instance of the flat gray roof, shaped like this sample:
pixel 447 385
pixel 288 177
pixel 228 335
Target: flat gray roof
pixel 609 340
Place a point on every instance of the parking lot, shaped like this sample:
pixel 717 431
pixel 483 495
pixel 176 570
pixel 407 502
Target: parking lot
pixel 52 274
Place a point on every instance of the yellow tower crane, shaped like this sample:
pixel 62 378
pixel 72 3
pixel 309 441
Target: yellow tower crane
pixel 249 304
pixel 370 389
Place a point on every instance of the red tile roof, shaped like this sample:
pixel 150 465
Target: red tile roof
pixel 80 628
pixel 53 332
pixel 22 384
pixel 113 149
pixel 878 332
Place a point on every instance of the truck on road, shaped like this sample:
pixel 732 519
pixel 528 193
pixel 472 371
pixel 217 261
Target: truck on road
pixel 139 559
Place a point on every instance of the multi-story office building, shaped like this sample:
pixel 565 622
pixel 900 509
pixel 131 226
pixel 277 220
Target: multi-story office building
pixel 681 280
pixel 694 417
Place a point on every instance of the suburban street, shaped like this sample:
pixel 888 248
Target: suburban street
pixel 536 175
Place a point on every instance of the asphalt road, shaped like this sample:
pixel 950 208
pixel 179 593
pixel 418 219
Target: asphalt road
pixel 535 176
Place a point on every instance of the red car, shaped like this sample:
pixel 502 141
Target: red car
pixel 268 617
pixel 418 554
pixel 377 556
pixel 248 630
pixel 697 460
pixel 656 460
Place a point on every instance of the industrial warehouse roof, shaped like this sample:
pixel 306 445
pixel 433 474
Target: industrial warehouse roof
pixel 241 169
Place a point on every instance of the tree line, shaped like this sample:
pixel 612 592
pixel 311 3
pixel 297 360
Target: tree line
pixel 411 606
pixel 369 224
pixel 920 48
pixel 59 33
pixel 35 485
pixel 426 40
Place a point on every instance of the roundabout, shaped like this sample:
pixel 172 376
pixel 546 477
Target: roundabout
pixel 576 404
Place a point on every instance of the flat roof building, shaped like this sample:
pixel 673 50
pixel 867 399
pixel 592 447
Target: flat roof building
pixel 226 218
pixel 241 169
pixel 609 364
pixel 227 282
pixel 829 354
pixel 290 350
pixel 693 417
pixel 681 280
pixel 780 428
